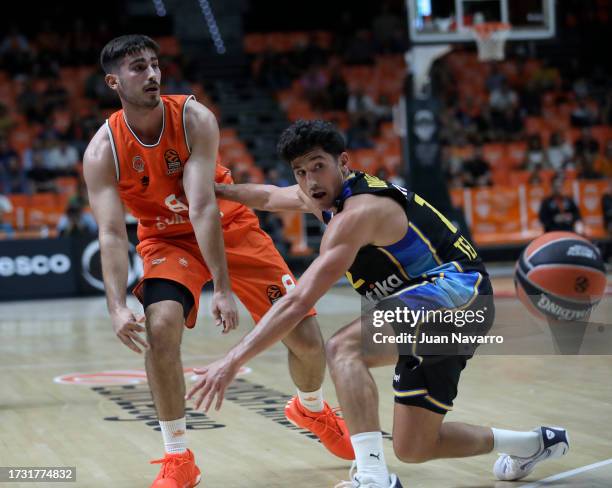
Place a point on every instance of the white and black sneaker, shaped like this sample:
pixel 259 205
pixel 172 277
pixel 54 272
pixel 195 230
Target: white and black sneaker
pixel 554 443
pixel 357 481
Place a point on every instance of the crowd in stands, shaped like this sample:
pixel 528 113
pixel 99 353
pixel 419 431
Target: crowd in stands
pixel 53 98
pixel 351 78
pixel 521 115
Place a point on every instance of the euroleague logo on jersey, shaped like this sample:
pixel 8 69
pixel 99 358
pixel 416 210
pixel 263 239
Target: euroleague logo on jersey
pixel 274 293
pixel 173 162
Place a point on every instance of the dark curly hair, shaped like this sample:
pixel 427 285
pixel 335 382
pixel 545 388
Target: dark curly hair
pixel 117 48
pixel 305 135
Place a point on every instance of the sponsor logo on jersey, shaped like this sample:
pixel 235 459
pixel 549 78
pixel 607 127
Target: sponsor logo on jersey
pixel 274 293
pixel 164 222
pixel 581 251
pixel 138 164
pixel 384 288
pixel 158 261
pixel 183 262
pixel 396 377
pixel 174 204
pixel 173 162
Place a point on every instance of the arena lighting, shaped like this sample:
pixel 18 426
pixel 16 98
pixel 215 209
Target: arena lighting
pixel 160 8
pixel 209 16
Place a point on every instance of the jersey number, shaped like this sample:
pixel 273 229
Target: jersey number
pixel 461 243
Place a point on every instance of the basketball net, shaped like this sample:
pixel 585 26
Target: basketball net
pixel 491 39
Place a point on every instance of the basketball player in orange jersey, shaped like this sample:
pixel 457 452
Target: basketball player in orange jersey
pixel 157 156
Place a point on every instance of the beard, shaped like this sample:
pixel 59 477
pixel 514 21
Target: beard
pixel 143 100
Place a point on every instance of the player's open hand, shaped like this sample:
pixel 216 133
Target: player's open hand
pixel 128 327
pixel 215 379
pixel 224 310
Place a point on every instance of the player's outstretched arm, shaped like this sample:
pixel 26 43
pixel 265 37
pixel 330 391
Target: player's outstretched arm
pixel 345 235
pixel 270 198
pixel 101 179
pixel 198 181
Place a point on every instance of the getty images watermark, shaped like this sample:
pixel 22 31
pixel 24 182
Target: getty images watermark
pixel 487 326
pixel 403 317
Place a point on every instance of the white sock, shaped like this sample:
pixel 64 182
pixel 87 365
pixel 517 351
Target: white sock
pixel 174 433
pixel 370 458
pixel 521 444
pixel 312 401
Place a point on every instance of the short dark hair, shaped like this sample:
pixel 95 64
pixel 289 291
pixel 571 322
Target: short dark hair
pixel 305 135
pixel 117 48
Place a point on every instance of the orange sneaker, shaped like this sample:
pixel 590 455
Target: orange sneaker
pixel 326 425
pixel 177 471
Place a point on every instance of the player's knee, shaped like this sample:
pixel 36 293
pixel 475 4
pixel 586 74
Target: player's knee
pixel 305 339
pixel 162 334
pixel 340 349
pixel 412 451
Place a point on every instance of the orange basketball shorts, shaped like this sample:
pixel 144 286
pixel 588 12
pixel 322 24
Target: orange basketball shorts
pixel 259 275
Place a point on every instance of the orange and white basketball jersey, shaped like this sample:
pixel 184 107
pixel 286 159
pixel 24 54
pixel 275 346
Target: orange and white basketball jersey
pixel 150 176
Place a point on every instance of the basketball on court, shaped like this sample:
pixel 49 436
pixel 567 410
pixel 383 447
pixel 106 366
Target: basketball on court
pixel 560 275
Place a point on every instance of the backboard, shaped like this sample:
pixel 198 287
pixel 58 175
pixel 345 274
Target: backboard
pixel 447 21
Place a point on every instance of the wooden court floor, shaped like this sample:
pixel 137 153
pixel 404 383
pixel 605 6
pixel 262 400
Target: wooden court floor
pixel 99 419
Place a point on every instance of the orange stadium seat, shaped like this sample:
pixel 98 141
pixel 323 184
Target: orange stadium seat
pixel 589 202
pixel 571 135
pixel 278 41
pixel 534 125
pixel 338 118
pixel 22 137
pixel 515 152
pixel 324 39
pixel 67 184
pixel 8 95
pixel 392 162
pixel 457 195
pixel 603 134
pixel 294 231
pixel 367 160
pixel 516 178
pixel 494 153
pixel 254 43
pixel 169 46
pixel 387 130
pixel 296 39
pixel 500 176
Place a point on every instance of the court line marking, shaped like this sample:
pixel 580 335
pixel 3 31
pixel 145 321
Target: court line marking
pixel 567 474
pixel 119 362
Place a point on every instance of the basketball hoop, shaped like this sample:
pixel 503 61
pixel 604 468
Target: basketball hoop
pixel 491 39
